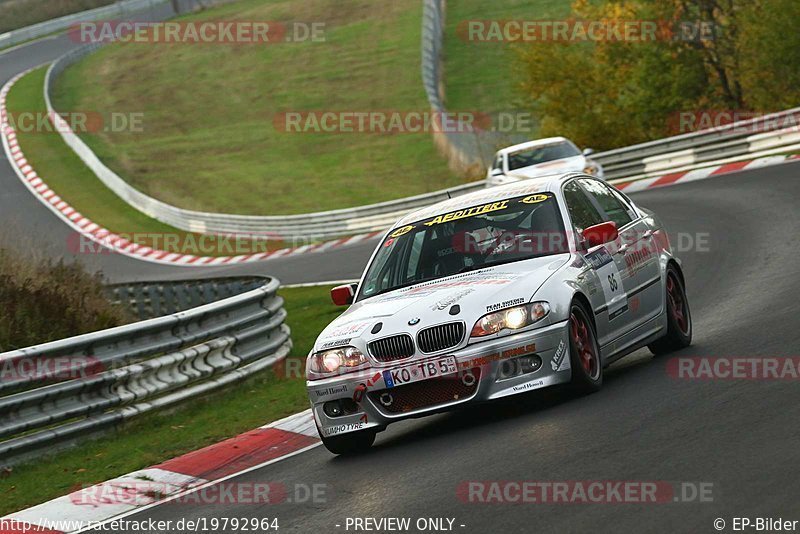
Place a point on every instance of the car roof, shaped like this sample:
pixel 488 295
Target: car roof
pixel 542 184
pixel 532 144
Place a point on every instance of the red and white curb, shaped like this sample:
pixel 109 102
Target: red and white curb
pixel 172 480
pixel 700 174
pixel 114 242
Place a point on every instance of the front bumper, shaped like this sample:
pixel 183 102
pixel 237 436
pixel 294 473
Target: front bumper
pixel 367 388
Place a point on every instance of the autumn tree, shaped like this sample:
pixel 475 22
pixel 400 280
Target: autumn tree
pixel 707 55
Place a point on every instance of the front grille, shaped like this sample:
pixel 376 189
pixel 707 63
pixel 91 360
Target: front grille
pixel 427 393
pixel 390 349
pixel 440 337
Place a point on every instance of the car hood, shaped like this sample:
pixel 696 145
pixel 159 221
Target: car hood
pixel 416 307
pixel 575 163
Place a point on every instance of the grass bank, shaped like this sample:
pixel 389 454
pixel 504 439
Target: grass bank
pixel 212 137
pixel 69 177
pixel 155 438
pixel 481 75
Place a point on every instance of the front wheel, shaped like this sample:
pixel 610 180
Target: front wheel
pixel 584 352
pixel 679 318
pixel 351 443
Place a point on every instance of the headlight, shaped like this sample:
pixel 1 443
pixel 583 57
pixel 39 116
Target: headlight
pixel 510 318
pixel 591 169
pixel 331 361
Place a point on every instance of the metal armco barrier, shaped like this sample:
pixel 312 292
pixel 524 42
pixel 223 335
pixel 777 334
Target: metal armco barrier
pixel 655 158
pixel 57 393
pixel 146 300
pixel 771 134
pixel 115 10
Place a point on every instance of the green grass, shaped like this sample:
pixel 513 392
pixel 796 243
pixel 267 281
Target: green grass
pixel 209 141
pixel 483 75
pixel 69 177
pixel 157 437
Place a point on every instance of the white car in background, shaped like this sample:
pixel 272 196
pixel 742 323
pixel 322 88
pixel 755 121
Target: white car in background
pixel 542 157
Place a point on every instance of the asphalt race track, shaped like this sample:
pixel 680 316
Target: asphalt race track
pixel 741 436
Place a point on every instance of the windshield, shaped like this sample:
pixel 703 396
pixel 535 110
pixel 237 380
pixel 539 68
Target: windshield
pixel 540 154
pixel 472 238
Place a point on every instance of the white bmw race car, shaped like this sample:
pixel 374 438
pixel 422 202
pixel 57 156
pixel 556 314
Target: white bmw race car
pixel 542 157
pixel 491 294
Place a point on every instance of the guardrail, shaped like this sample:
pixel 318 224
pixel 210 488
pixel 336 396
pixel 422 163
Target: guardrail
pixel 117 9
pixel 474 148
pixel 216 333
pixel 770 134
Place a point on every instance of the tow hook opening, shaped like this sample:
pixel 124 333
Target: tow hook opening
pixel 386 399
pixel 468 379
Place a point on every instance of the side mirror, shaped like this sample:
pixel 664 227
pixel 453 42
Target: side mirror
pixel 497 172
pixel 600 233
pixel 344 295
pixel 588 151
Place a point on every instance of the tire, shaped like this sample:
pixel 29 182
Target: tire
pixel 679 317
pixel 584 352
pixel 352 443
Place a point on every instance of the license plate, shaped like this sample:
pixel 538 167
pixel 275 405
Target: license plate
pixel 420 371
